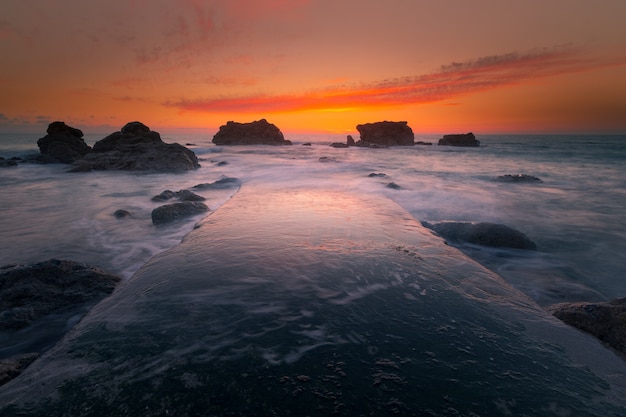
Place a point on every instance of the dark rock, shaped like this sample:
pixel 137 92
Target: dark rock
pixel 350 141
pixel 259 132
pixel 466 139
pixel 33 291
pixel 385 134
pixel 136 147
pixel 486 234
pixel 164 196
pixel 306 144
pixel 175 211
pixel 222 163
pixel 423 143
pixel 393 186
pixel 186 195
pixel 518 178
pixel 13 366
pixel 339 145
pixel 327 159
pixel 63 143
pixel 80 166
pixel 8 162
pixel 375 174
pixel 221 184
pixel 120 214
pixel 604 320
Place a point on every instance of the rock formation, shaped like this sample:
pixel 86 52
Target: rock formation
pixel 136 147
pixel 606 320
pixel 518 178
pixel 467 139
pixel 175 211
pixel 486 234
pixel 63 143
pixel 259 132
pixel 385 134
pixel 28 292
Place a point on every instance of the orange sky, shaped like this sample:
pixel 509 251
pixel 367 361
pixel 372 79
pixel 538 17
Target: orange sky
pixel 445 66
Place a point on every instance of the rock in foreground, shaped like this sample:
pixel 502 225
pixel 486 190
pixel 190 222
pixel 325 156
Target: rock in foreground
pixel 486 234
pixel 606 321
pixel 259 132
pixel 385 134
pixel 175 211
pixel 136 147
pixel 28 292
pixel 63 143
pixel 467 139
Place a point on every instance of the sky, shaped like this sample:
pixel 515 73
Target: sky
pixel 445 66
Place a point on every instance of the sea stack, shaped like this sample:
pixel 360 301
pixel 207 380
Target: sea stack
pixel 385 134
pixel 466 139
pixel 63 143
pixel 259 132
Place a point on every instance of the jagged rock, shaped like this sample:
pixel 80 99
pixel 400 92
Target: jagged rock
pixel 605 320
pixel 463 139
pixel 350 141
pixel 28 292
pixel 63 143
pixel 486 234
pixel 259 132
pixel 385 134
pixel 518 178
pixel 136 147
pixel 176 211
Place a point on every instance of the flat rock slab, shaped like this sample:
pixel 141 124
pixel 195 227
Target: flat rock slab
pixel 318 303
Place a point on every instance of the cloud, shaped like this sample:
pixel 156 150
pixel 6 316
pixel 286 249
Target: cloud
pixel 449 82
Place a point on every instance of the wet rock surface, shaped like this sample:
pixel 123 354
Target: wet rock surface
pixel 604 320
pixel 176 211
pixel 486 234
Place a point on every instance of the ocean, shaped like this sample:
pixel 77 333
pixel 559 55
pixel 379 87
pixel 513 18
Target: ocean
pixel 575 215
pixel 313 289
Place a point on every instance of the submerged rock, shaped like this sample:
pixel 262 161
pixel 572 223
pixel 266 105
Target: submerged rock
pixel 136 147
pixel 259 132
pixel 385 134
pixel 486 234
pixel 176 211
pixel 182 195
pixel 518 178
pixel 467 139
pixel 120 214
pixel 13 366
pixel 28 292
pixel 11 162
pixel 221 184
pixel 606 320
pixel 63 143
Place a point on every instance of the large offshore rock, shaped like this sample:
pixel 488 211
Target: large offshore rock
pixel 260 132
pixel 385 134
pixel 63 143
pixel 136 147
pixel 466 139
pixel 318 303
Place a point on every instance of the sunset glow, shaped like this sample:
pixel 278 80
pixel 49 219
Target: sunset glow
pixel 315 65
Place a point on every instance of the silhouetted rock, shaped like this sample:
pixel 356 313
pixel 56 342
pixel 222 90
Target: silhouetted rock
pixel 350 141
pixel 63 143
pixel 423 143
pixel 463 139
pixel 518 178
pixel 136 147
pixel 385 134
pixel 176 211
pixel 28 292
pixel 259 132
pixel 605 320
pixel 339 145
pixel 486 234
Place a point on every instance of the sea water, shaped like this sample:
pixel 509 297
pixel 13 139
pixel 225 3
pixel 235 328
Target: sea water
pixel 575 215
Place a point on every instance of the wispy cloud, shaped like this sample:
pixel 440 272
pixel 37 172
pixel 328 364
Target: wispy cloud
pixel 449 82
